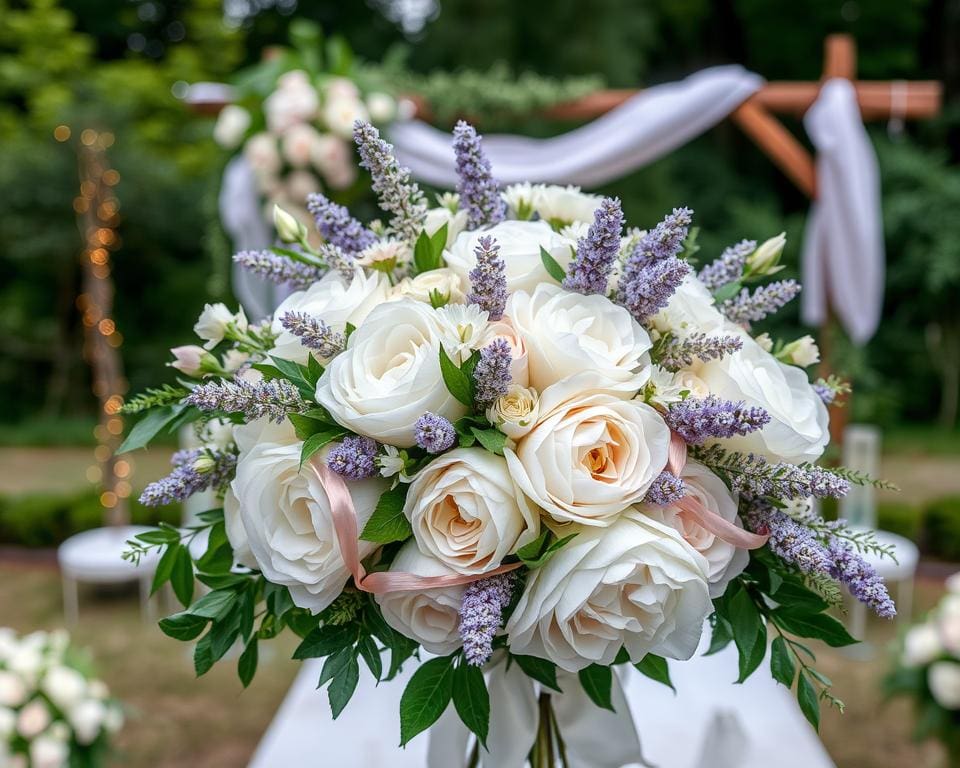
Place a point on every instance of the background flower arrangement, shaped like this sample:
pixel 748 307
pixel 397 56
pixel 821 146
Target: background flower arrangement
pixel 53 712
pixel 505 411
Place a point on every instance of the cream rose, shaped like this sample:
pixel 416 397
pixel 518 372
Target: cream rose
pixel 591 455
pixel 429 616
pixel 286 517
pixel 333 300
pixel 297 145
pixel 520 243
pixel 797 431
pixel 724 560
pixel 635 585
pixel 691 309
pixel 944 681
pixel 443 283
pixel 262 154
pixel 466 511
pixel 921 645
pixel 506 330
pixel 64 686
pixel 516 412
pixel 389 375
pixel 566 333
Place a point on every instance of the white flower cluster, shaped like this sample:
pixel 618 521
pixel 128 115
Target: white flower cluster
pixel 935 644
pixel 49 710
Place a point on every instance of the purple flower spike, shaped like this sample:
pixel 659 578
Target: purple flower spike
pixel 680 353
pixel 314 333
pixel 435 434
pixel 186 479
pixel 596 253
pixel 492 374
pixel 791 541
pixel 861 579
pixel 489 279
pixel 354 458
pixel 337 226
pixel 666 489
pixel 747 307
pixel 729 267
pixel 271 399
pixel 652 286
pixel 479 191
pixel 481 614
pixel 279 269
pixel 700 419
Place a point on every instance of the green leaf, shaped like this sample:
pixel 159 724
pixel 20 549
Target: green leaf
pixel 317 441
pixel 551 265
pixel 247 664
pixel 796 598
pixel 781 662
pixel 314 371
pixel 722 636
pixel 749 662
pixel 655 667
pixel 544 558
pixel 343 686
pixel 149 427
pixel 425 697
pixel 438 241
pixel 471 699
pixel 305 426
pixel 181 577
pixel 819 626
pixel 597 681
pixel 371 655
pixel 159 536
pixel 183 626
pixel 334 664
pixel 744 620
pixel 727 291
pixel 541 670
pixel 388 523
pixel 202 656
pixel 533 549
pixel 325 640
pixel 223 633
pixel 808 700
pixel 424 257
pixel 164 568
pixel 459 384
pixel 492 439
pixel 214 605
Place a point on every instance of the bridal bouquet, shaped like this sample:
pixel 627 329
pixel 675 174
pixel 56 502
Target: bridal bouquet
pixel 505 434
pixel 52 713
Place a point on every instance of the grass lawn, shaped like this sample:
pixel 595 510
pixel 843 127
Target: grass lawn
pixel 176 720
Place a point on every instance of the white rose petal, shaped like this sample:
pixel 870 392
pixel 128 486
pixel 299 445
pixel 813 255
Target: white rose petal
pixel 691 309
pixel 341 112
pixel 635 585
pixel 232 123
pixel 297 144
pixel 921 645
pixel 506 330
pixel 444 283
pixel 263 155
pixel 13 690
pixel 64 686
pixel 565 204
pixel 47 752
pixel 944 681
pixel 87 719
pixel 466 511
pixel 33 719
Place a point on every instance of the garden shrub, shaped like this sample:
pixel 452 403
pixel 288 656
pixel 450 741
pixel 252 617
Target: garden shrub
pixel 901 518
pixel 941 528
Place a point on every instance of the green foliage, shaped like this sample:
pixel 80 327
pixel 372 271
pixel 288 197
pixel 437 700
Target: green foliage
pixel 941 528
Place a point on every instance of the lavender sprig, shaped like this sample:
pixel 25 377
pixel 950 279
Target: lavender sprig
pixel 481 615
pixel 314 333
pixel 434 433
pixel 864 583
pixel 597 252
pixel 194 470
pixel 279 269
pixel 699 419
pixel 666 489
pixel 488 279
pixel 791 541
pixel 492 374
pixel 729 267
pixel 398 194
pixel 272 399
pixel 676 353
pixel 746 307
pixel 354 458
pixel 479 191
pixel 651 287
pixel 337 226
pixel 338 260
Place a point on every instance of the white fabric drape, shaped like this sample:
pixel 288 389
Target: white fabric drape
pixel 843 254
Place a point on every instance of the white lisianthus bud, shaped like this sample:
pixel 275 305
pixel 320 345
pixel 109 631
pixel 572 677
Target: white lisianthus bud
pixel 192 360
pixel 215 321
pixel 289 230
pixel 516 412
pixel 766 259
pixel 802 352
pixel 764 342
pixel 204 464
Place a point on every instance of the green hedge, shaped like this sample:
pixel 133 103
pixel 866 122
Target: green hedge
pixel 941 528
pixel 46 520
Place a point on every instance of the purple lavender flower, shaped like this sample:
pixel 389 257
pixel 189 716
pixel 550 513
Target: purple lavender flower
pixel 194 470
pixel 825 392
pixel 666 489
pixel 791 541
pixel 747 307
pixel 700 419
pixel 434 434
pixel 650 288
pixel 338 260
pixel 597 252
pixel 729 267
pixel 492 374
pixel 679 353
pixel 314 333
pixel 479 191
pixel 279 269
pixel 354 458
pixel 489 279
pixel 337 226
pixel 398 194
pixel 861 579
pixel 273 399
pixel 481 614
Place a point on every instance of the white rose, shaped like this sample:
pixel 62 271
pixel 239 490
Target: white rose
pixel 635 585
pixel 797 431
pixel 341 112
pixel 262 154
pixel 591 454
pixel 214 321
pixel 382 107
pixel 297 144
pixel 437 217
pixel 466 511
pixel 724 561
pixel 232 123
pixel 236 533
pixel 921 645
pixel 329 152
pixel 389 375
pixel 27 660
pixel 33 719
pixel 691 309
pixel 944 681
pixel 64 686
pixel 565 204
pixel 566 333
pixel 516 412
pixel 520 243
pixel 87 719
pixel 340 88
pixel 47 752
pixel 13 690
pixel 333 300
pixel 288 523
pixel 689 382
pixel 294 101
pixel 429 616
pixel 506 330
pixel 444 283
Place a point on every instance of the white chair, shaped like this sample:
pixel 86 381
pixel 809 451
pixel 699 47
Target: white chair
pixel 95 557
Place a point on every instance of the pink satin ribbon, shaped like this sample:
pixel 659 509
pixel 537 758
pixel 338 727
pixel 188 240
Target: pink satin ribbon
pixel 345 525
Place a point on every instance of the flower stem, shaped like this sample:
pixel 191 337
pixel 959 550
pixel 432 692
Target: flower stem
pixel 542 755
